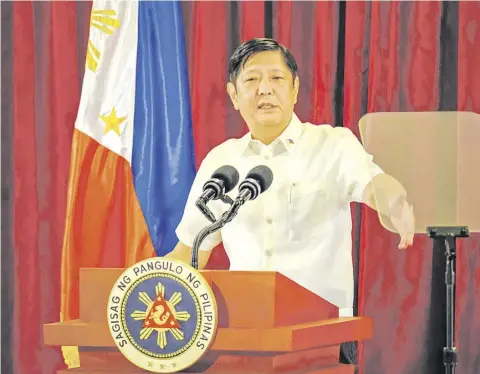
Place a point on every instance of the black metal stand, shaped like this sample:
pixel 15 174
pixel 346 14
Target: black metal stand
pixel 210 229
pixel 449 236
pixel 202 206
pixel 215 226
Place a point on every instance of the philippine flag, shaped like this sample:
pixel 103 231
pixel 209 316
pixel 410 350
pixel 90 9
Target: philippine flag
pixel 132 161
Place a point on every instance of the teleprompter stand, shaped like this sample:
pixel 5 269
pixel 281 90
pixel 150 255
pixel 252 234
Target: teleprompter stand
pixel 434 155
pixel 449 235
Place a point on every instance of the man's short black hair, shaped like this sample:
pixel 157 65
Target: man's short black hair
pixel 252 46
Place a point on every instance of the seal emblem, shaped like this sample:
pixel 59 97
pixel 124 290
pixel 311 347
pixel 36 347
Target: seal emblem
pixel 162 315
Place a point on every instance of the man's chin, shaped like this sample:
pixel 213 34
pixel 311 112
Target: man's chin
pixel 269 119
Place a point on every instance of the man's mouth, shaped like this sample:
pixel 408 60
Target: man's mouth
pixel 266 106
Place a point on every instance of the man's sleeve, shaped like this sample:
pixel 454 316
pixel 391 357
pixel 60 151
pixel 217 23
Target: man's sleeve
pixel 193 220
pixel 356 166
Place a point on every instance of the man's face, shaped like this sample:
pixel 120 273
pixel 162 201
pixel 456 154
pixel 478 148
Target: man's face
pixel 265 92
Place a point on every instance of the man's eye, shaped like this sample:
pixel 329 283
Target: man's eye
pixel 249 79
pixel 277 77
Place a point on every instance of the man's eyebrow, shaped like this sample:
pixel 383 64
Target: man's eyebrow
pixel 280 71
pixel 251 69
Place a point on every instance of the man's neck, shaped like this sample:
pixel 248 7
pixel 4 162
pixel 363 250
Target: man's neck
pixel 270 134
pixel 266 138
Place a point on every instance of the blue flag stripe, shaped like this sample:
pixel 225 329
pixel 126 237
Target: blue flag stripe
pixel 163 163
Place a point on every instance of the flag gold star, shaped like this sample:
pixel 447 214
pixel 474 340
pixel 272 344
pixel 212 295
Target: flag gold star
pixel 112 122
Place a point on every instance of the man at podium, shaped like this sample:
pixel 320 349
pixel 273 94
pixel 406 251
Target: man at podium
pixel 301 226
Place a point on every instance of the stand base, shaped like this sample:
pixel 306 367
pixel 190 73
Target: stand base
pixel 448 235
pixel 311 361
pixel 448 231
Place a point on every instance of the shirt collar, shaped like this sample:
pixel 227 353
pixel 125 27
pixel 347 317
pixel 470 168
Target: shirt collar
pixel 289 137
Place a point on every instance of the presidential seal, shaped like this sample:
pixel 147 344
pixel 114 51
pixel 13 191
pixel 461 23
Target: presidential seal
pixel 162 315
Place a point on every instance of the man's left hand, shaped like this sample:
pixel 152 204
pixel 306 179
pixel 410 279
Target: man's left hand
pixel 403 221
pixel 389 198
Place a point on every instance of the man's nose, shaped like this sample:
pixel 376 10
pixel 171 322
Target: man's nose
pixel 265 87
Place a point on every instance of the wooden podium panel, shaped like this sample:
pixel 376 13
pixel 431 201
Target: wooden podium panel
pixel 322 360
pixel 240 295
pixel 267 325
pixel 282 339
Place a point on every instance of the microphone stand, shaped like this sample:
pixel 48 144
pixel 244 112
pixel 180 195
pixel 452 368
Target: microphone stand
pixel 449 236
pixel 215 226
pixel 202 206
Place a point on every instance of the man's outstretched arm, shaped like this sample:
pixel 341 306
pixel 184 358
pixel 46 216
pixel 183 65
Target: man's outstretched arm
pixel 388 197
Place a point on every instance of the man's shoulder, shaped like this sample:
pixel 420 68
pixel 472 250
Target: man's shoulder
pixel 224 151
pixel 326 133
pixel 229 146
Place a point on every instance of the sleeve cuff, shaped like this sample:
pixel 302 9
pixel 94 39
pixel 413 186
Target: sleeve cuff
pixel 357 195
pixel 208 244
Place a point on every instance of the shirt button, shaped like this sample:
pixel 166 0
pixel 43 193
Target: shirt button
pixel 269 220
pixel 268 253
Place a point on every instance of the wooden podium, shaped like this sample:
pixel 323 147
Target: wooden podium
pixel 267 324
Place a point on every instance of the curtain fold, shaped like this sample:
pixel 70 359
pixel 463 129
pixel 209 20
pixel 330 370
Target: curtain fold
pixel 7 271
pixel 45 98
pixel 468 266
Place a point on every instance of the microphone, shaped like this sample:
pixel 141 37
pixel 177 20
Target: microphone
pixel 257 181
pixel 222 181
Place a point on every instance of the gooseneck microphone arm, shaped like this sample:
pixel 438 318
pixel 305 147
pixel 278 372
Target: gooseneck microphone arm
pixel 257 181
pixel 210 229
pixel 217 225
pixel 202 206
pixel 222 181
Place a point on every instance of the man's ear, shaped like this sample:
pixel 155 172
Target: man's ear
pixel 232 92
pixel 296 86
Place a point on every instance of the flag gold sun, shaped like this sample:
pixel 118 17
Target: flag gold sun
pixel 106 21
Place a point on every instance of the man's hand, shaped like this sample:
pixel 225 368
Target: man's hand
pixel 403 221
pixel 388 197
pixel 183 252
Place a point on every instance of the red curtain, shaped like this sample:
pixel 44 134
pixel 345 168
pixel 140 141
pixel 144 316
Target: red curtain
pixel 415 56
pixel 46 94
pixel 468 267
pixel 354 57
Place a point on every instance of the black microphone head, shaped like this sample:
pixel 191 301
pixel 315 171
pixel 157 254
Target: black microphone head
pixel 228 175
pixel 263 175
pixel 258 180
